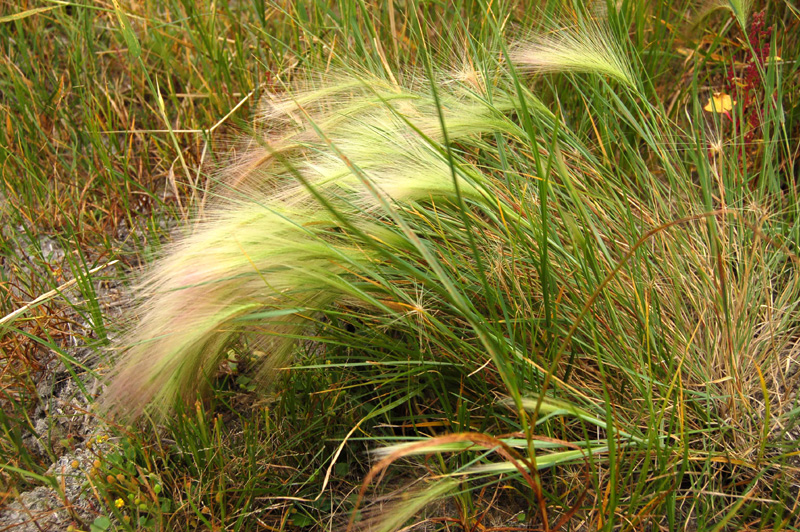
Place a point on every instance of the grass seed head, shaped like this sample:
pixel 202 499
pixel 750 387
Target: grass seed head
pixel 588 49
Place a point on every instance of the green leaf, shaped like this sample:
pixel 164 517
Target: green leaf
pixel 302 520
pixel 127 31
pixel 100 524
pixel 25 14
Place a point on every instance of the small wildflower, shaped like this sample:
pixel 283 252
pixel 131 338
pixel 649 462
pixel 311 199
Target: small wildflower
pixel 75 464
pixel 119 503
pixel 719 103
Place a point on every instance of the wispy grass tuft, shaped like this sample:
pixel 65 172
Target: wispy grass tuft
pixel 302 210
pixel 588 48
pixel 740 9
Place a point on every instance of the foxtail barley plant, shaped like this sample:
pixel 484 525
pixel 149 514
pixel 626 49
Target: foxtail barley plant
pixel 609 275
pixel 317 200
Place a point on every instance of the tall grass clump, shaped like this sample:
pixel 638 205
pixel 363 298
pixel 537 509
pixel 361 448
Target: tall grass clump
pixel 300 214
pixel 474 223
pixel 483 278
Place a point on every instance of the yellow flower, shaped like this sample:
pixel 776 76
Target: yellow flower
pixel 719 103
pixel 119 503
